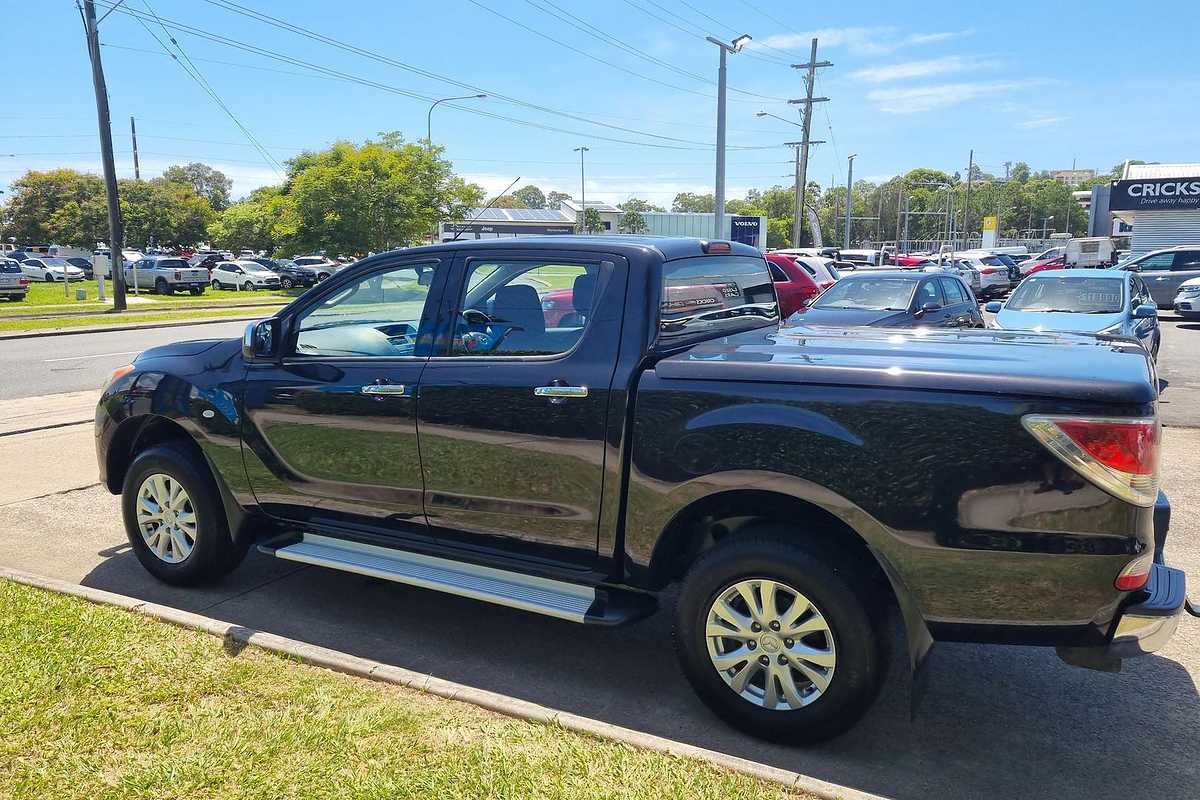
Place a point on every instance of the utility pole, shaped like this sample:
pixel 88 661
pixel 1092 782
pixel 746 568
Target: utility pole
pixel 137 170
pixel 907 206
pixel 807 102
pixel 797 228
pixel 849 193
pixel 719 194
pixel 899 211
pixel 1070 199
pixel 582 190
pixel 116 235
pixel 967 202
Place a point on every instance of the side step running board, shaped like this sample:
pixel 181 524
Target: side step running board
pixel 553 598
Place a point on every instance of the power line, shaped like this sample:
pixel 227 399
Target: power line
pixel 735 31
pixel 314 36
pixel 606 38
pixel 224 40
pixel 194 73
pixel 698 32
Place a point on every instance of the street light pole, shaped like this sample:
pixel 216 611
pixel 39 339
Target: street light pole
pixel 849 200
pixel 582 191
pixel 1046 225
pixel 429 146
pixel 719 195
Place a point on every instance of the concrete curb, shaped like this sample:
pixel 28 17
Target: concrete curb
pixel 135 327
pixel 499 703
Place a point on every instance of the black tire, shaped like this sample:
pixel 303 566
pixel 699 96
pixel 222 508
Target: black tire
pixel 49 278
pixel 214 553
pixel 216 285
pixel 197 290
pixel 16 298
pixel 161 287
pixel 286 282
pixel 248 286
pixel 845 599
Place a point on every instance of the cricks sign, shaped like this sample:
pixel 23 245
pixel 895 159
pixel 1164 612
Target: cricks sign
pixel 1156 193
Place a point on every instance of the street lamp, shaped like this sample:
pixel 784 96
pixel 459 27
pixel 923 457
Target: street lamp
pixel 849 198
pixel 582 190
pixel 1045 225
pixel 732 47
pixel 429 143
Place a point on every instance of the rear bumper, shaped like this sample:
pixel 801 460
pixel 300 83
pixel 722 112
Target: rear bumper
pixel 1147 626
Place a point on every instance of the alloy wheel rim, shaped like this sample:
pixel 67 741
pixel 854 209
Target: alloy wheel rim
pixel 166 518
pixel 770 644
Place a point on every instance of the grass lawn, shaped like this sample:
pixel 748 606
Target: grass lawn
pixel 43 294
pixel 99 703
pixel 166 314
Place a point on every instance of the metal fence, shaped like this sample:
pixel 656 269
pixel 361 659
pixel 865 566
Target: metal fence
pixel 1034 246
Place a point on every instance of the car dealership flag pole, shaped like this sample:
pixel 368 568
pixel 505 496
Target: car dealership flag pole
pixel 116 236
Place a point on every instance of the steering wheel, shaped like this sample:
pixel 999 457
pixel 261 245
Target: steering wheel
pixel 474 316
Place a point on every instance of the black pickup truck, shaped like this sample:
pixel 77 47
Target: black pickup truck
pixel 568 425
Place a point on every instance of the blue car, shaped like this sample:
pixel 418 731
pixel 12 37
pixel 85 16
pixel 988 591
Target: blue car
pixel 1104 301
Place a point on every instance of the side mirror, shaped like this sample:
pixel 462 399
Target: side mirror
pixel 261 339
pixel 1145 311
pixel 993 307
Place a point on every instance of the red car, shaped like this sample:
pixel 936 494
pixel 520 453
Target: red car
pixel 1030 267
pixel 913 261
pixel 795 287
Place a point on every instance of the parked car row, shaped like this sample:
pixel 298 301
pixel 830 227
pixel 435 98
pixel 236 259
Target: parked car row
pixel 13 283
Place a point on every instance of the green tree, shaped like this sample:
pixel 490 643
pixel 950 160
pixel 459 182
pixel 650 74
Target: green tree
pixel 531 196
pixel 696 203
pixel 1020 172
pixel 163 213
pixel 554 198
pixel 49 207
pixel 636 204
pixel 592 222
pixel 779 233
pixel 632 222
pixel 370 197
pixel 248 225
pixel 509 201
pixel 209 183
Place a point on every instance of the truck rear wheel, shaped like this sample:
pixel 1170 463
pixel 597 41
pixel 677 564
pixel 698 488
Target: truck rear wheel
pixel 776 640
pixel 174 518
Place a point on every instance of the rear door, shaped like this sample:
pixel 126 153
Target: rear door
pixel 960 309
pixel 513 411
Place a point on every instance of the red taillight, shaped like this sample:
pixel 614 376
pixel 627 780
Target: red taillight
pixel 988 270
pixel 1120 455
pixel 1136 573
pixel 1128 447
pixel 716 247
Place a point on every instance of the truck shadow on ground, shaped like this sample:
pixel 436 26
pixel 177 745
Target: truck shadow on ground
pixel 995 722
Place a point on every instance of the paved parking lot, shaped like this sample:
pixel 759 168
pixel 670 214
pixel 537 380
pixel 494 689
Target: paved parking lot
pixel 996 722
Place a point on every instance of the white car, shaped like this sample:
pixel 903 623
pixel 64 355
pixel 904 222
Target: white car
pixel 1187 300
pixel 994 278
pixel 823 270
pixel 245 275
pixel 322 265
pixel 50 269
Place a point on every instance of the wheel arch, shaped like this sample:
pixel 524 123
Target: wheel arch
pixel 825 517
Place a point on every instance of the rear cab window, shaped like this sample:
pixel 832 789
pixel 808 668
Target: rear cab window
pixel 709 296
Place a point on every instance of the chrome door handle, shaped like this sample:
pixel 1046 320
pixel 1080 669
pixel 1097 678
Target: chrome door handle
pixel 384 389
pixel 561 391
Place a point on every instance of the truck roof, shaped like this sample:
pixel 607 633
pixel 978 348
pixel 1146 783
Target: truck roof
pixel 668 247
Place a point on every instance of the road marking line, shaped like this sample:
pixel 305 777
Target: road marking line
pixel 93 355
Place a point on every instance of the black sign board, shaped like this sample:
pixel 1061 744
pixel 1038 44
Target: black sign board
pixel 490 227
pixel 1155 194
pixel 744 230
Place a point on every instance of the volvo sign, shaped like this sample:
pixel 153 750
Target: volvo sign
pixel 1158 193
pixel 744 230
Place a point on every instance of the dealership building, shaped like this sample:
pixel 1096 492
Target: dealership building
pixel 1160 201
pixel 502 223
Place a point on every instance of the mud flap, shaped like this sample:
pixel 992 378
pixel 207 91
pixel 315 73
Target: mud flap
pixel 916 636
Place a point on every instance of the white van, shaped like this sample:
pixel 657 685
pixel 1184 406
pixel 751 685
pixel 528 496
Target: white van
pixel 1095 251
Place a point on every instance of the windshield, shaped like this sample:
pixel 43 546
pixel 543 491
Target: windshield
pixel 833 270
pixel 873 294
pixel 8 265
pixel 1072 295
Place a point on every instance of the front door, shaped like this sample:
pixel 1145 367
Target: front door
pixel 513 407
pixel 331 430
pixel 928 292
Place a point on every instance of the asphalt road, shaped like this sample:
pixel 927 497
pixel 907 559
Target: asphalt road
pixel 52 364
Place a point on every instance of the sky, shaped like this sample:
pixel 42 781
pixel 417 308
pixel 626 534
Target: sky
pixel 912 84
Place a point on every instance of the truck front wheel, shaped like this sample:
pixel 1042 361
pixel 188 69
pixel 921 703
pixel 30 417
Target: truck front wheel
pixel 776 640
pixel 174 517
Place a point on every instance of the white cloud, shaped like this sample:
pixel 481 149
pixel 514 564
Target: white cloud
pixel 920 69
pixel 921 99
pixel 870 40
pixel 1041 122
